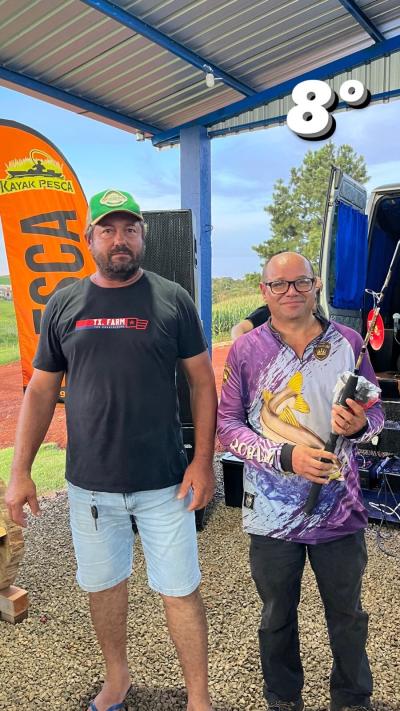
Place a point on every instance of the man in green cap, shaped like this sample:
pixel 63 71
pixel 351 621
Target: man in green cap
pixel 117 335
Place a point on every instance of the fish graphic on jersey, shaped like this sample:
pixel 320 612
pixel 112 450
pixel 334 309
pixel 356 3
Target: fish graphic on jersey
pixel 277 417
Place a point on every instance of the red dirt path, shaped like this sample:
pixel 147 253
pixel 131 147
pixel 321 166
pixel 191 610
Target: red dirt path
pixel 11 396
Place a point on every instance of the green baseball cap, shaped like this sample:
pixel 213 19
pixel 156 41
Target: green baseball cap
pixel 109 201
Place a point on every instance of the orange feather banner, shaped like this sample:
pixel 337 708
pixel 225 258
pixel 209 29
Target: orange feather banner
pixel 43 213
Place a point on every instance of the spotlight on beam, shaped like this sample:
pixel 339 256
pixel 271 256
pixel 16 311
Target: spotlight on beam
pixel 210 77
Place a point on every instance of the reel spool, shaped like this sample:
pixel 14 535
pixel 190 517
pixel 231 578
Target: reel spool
pixel 378 334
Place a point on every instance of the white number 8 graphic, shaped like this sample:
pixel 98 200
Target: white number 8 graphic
pixel 310 118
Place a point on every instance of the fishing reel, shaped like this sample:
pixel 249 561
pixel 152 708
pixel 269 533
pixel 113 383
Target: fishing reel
pixel 377 336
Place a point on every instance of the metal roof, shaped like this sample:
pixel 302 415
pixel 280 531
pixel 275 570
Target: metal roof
pixel 141 64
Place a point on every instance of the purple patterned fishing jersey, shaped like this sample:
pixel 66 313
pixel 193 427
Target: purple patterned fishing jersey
pixel 270 397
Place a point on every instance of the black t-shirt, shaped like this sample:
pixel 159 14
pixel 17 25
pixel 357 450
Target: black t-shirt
pixel 119 349
pixel 259 316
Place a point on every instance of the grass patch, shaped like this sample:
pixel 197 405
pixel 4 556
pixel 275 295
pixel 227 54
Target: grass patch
pixel 48 471
pixel 9 348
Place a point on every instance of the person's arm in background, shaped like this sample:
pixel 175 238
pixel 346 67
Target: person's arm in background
pixel 34 419
pixel 256 318
pixel 240 328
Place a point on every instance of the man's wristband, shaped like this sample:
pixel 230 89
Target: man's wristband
pixel 286 457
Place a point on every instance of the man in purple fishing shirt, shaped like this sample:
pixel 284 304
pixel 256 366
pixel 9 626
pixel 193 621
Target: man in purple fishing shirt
pixel 275 414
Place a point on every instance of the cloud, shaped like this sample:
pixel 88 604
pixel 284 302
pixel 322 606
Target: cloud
pixel 240 210
pixel 383 173
pixel 228 181
pixel 235 232
pixel 372 131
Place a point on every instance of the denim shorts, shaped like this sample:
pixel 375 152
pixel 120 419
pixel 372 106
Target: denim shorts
pixel 104 547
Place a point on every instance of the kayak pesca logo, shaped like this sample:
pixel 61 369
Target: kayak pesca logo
pixel 39 171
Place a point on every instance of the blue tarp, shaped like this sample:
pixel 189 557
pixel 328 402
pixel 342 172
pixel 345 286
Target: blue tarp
pixel 351 258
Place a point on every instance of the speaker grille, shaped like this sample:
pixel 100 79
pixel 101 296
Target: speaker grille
pixel 170 247
pixel 171 253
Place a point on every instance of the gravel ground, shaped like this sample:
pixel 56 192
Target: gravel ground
pixel 51 660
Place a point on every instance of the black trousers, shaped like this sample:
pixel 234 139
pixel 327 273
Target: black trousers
pixel 277 568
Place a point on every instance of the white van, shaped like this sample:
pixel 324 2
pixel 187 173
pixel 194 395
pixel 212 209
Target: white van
pixel 358 243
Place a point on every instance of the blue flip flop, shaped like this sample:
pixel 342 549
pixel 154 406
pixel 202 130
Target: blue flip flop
pixel 114 707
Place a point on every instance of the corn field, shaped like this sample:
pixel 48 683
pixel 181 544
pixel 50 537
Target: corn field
pixel 226 314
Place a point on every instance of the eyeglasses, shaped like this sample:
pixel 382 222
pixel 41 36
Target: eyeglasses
pixel 302 285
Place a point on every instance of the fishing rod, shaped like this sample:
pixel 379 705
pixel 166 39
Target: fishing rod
pixel 350 387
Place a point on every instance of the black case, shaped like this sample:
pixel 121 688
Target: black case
pixel 232 469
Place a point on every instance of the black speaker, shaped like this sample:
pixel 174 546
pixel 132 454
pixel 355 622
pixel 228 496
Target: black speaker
pixel 171 252
pixel 171 247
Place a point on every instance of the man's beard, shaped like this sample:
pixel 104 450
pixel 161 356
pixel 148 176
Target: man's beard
pixel 120 270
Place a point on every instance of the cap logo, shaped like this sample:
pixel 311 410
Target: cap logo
pixel 112 198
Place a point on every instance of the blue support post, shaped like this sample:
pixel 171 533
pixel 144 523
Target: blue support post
pixel 196 196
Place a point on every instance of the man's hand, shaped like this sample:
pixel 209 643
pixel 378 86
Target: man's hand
pixel 21 491
pixel 348 420
pixel 307 463
pixel 199 477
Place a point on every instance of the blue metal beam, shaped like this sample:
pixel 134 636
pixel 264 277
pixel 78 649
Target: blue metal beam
pixel 134 23
pixel 363 20
pixel 64 96
pixel 280 90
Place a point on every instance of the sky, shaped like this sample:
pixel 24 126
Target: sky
pixel 244 167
